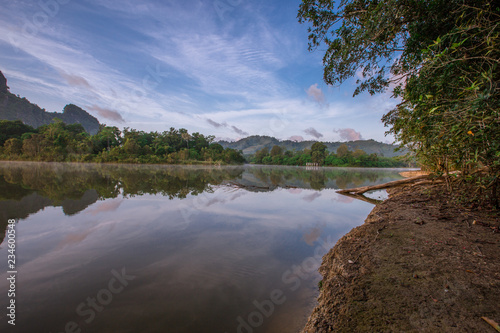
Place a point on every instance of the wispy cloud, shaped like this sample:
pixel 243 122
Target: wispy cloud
pixel 110 87
pixel 313 132
pixel 147 62
pixel 226 125
pixel 75 80
pixel 216 124
pixel 239 131
pixel 221 66
pixel 107 113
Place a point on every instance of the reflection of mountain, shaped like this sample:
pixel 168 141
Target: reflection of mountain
pixel 27 187
pixel 32 203
pixel 10 209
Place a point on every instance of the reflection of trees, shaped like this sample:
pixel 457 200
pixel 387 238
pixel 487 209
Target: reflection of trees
pixel 60 182
pixel 319 178
pixel 26 187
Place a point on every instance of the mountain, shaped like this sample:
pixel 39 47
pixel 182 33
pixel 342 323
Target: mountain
pixel 13 107
pixel 252 144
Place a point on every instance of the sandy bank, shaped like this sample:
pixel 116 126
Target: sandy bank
pixel 420 263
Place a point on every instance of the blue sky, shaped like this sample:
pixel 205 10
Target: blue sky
pixel 229 68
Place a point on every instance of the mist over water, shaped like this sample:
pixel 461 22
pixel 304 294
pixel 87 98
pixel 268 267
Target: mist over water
pixel 118 248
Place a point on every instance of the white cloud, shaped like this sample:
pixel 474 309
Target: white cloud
pixel 85 78
pixel 177 64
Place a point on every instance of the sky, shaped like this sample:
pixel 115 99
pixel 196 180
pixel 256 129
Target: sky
pixel 228 68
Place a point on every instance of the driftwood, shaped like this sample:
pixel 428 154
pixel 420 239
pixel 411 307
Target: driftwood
pixel 492 323
pixel 361 190
pixel 363 198
pixel 413 181
pixel 427 182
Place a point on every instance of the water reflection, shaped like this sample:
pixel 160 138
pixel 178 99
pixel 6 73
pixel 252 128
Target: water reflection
pixel 209 247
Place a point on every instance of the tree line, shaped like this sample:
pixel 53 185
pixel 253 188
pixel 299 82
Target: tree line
pixel 60 142
pixel 319 155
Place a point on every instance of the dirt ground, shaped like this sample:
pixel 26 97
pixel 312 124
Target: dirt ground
pixel 420 263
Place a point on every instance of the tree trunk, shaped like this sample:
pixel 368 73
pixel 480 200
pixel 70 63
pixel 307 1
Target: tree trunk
pixel 361 190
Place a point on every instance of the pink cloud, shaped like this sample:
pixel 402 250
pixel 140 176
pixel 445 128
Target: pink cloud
pixel 348 134
pixel 107 206
pixel 296 138
pixel 107 113
pixel 316 93
pixel 75 80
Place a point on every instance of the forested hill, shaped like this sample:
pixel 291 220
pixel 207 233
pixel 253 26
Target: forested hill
pixel 252 144
pixel 13 107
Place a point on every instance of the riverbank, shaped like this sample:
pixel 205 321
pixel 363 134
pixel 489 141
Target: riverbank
pixel 420 262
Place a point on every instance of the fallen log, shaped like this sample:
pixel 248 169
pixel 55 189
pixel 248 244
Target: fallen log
pixel 363 198
pixel 428 182
pixel 361 190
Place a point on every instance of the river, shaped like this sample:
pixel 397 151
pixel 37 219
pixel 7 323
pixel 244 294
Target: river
pixel 122 248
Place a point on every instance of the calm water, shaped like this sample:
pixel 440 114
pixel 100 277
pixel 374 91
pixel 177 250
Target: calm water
pixel 171 249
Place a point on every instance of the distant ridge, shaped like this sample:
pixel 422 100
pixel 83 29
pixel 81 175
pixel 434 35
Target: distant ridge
pixel 13 107
pixel 252 144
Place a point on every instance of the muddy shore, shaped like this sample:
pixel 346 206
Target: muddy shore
pixel 419 263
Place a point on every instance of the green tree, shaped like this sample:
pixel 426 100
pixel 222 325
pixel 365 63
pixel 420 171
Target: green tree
pixel 185 136
pixel 455 98
pixel 267 160
pixel 106 138
pixel 318 152
pixel 233 156
pixel 375 38
pixel 13 129
pixel 261 154
pixel 33 146
pixel 358 153
pixel 13 147
pixel 199 141
pixel 131 147
pixel 216 147
pixel 276 151
pixel 343 151
pixel 443 59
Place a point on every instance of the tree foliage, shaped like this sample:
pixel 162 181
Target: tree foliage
pixel 374 38
pixel 318 154
pixel 450 114
pixel 13 129
pixel 61 142
pixel 441 57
